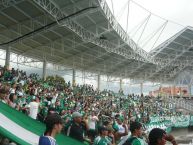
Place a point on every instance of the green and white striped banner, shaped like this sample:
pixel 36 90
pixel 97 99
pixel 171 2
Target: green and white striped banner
pixel 24 130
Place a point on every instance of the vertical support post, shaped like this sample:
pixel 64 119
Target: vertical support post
pixel 44 70
pixel 98 82
pixel 189 90
pixel 73 77
pixel 180 92
pixel 141 88
pixel 160 91
pixel 130 88
pixel 121 84
pixel 84 77
pixel 7 59
pixel 173 91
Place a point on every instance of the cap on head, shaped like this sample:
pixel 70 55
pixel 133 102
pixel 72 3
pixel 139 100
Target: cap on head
pixel 76 114
pixel 20 94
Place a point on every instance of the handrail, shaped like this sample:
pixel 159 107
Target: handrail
pixel 182 103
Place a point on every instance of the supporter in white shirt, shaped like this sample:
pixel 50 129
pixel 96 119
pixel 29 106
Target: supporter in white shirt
pixel 33 107
pixel 122 132
pixel 12 91
pixel 92 120
pixel 22 82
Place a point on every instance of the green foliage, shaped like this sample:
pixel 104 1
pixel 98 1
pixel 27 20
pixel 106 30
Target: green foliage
pixel 55 78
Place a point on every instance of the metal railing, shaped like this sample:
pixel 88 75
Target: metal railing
pixel 182 103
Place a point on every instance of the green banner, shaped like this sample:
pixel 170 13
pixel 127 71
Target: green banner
pixel 25 126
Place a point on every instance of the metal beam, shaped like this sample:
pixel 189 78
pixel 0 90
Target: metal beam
pixel 8 3
pixel 7 60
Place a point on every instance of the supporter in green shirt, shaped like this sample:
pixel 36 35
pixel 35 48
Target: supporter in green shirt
pixel 58 107
pixel 102 139
pixel 136 133
pixel 7 75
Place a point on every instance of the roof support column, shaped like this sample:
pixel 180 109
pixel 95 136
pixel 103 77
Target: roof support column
pixel 190 90
pixel 7 59
pixel 130 88
pixel 44 70
pixel 172 91
pixel 180 92
pixel 98 81
pixel 160 90
pixel 141 88
pixel 73 77
pixel 121 84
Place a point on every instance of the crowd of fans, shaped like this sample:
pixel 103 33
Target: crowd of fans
pixel 89 115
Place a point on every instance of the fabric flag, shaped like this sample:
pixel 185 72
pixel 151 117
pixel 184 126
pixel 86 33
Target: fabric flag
pixel 24 130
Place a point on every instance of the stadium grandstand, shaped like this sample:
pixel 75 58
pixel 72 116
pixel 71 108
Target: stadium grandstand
pixel 73 59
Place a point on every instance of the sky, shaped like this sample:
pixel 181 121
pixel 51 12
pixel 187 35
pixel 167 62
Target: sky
pixel 167 18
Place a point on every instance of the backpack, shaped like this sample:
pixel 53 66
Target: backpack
pixel 129 141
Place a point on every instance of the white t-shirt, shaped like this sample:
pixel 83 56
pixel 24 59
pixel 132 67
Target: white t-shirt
pixel 121 128
pixel 22 82
pixel 92 122
pixel 33 109
pixel 53 101
pixel 12 91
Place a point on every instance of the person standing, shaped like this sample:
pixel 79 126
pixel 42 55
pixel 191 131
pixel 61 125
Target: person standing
pixel 78 127
pixel 103 138
pixel 136 134
pixel 54 126
pixel 33 107
pixel 92 121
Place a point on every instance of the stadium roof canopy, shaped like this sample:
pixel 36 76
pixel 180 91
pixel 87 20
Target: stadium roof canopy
pixel 83 34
